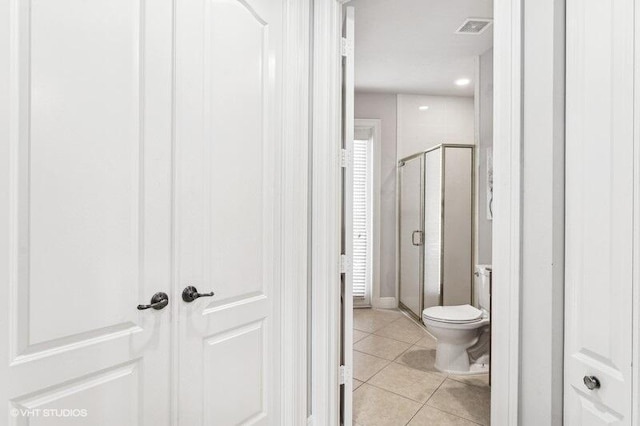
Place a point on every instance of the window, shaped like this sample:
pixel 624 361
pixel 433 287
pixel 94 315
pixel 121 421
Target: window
pixel 362 219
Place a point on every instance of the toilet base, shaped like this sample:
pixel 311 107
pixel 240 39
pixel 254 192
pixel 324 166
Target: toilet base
pixel 478 369
pixel 474 370
pixel 452 358
pixel 454 344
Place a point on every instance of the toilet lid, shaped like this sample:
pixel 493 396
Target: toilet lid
pixel 453 314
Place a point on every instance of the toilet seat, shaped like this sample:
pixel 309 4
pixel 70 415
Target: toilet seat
pixel 460 314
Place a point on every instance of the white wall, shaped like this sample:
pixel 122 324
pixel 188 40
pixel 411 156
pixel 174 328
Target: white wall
pixel 484 113
pixel 383 107
pixel 449 119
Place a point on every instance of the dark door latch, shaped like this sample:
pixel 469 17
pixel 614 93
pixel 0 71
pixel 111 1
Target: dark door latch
pixel 190 293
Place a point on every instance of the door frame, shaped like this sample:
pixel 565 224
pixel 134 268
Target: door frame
pixel 507 227
pixel 294 178
pixel 636 237
pixel 325 215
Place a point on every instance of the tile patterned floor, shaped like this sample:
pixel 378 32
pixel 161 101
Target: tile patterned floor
pixel 395 382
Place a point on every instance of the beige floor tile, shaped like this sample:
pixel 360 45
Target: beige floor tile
pixel 427 342
pixel 403 329
pixel 470 402
pixel 420 358
pixel 413 384
pixel 481 380
pixel 381 347
pixel 365 366
pixel 376 407
pixel 370 320
pixel 392 313
pixel 429 416
pixel 359 335
pixel 356 384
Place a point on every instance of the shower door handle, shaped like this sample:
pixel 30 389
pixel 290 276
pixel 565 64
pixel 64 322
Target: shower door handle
pixel 419 240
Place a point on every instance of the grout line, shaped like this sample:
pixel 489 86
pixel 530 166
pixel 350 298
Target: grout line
pixel 459 380
pixel 411 346
pixel 377 329
pixel 444 411
pixel 390 338
pixel 422 404
pixel 433 373
pixel 367 335
pixel 419 324
pixel 394 393
pixel 383 359
pixel 437 389
pixel 415 414
pixel 375 356
pixel 403 352
pixel 402 315
pixel 386 337
pixel 425 403
pixel 455 415
pixel 452 414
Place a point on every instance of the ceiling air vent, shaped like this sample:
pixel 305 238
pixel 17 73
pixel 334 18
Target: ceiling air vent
pixel 474 26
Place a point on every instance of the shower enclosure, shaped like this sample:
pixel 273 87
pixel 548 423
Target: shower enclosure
pixel 436 201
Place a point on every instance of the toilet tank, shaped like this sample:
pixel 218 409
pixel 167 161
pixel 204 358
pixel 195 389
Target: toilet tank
pixel 482 287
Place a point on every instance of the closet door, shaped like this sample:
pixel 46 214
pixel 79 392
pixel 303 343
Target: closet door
pixel 229 210
pixel 411 234
pixel 599 212
pixel 85 212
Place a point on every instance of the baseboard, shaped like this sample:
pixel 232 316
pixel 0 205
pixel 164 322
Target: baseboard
pixel 385 303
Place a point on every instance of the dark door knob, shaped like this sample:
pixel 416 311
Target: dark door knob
pixel 190 293
pixel 158 301
pixel 591 382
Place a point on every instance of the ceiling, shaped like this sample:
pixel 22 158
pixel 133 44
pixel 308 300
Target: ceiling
pixel 410 46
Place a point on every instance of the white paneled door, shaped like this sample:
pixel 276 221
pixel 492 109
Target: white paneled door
pixel 85 211
pixel 228 134
pixel 141 151
pixel 599 212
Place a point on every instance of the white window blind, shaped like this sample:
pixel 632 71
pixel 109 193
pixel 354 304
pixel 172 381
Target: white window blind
pixel 362 220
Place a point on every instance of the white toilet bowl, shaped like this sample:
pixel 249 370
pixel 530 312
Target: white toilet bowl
pixel 456 328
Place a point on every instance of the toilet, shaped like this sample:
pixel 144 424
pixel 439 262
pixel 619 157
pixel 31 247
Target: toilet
pixel 462 331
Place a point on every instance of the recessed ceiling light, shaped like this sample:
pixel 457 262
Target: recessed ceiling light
pixel 462 81
pixel 423 107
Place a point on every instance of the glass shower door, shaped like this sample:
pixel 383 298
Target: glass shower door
pixel 433 229
pixel 411 234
